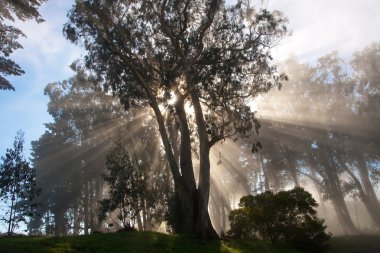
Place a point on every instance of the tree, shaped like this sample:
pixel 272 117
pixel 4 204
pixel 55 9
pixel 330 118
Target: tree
pixel 287 215
pixel 127 181
pixel 85 119
pixel 202 54
pixel 17 185
pixel 9 10
pixel 131 192
pixel 331 127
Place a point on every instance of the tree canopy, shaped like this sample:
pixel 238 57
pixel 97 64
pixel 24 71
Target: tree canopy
pixel 11 10
pixel 206 54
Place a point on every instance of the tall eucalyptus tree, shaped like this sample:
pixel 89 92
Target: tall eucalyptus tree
pixel 205 54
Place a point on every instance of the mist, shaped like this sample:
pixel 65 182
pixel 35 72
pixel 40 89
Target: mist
pixel 319 131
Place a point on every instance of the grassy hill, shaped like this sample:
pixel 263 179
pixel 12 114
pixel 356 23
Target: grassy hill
pixel 149 242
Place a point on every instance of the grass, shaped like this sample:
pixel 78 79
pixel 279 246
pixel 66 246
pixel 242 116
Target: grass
pixel 149 242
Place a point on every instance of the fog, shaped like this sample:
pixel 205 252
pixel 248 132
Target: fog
pixel 320 131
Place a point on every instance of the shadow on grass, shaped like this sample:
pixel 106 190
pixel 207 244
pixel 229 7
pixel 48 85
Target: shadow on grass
pixel 126 242
pixel 132 242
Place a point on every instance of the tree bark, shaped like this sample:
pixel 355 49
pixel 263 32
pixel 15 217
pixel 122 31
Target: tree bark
pixel 203 223
pixel 60 224
pixel 337 197
pixel 76 224
pixel 328 171
pixel 366 192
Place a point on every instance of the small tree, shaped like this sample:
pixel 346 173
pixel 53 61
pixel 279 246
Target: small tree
pixel 286 216
pixel 17 185
pixel 127 181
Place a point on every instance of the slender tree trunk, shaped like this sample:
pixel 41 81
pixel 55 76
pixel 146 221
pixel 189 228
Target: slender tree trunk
pixel 145 219
pixel 86 209
pixel 337 197
pixel 10 221
pixel 92 204
pixel 292 168
pixel 76 224
pixel 265 174
pixel 139 222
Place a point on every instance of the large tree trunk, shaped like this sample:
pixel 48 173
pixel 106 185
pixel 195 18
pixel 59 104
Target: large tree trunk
pixel 203 221
pixel 186 188
pixel 193 202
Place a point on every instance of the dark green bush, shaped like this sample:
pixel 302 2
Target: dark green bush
pixel 173 214
pixel 288 216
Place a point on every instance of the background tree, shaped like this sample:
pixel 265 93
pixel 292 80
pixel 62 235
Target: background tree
pixel 127 182
pixel 205 54
pixel 306 125
pixel 86 123
pixel 17 186
pixel 83 122
pixel 9 11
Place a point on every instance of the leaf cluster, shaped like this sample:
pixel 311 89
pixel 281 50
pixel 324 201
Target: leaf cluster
pixel 141 49
pixel 286 216
pixel 9 11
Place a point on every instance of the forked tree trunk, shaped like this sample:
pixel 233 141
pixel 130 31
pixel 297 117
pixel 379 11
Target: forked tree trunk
pixel 337 196
pixel 366 192
pixel 328 171
pixel 193 202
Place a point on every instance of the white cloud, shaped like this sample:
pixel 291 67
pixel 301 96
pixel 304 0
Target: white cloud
pixel 322 26
pixel 45 57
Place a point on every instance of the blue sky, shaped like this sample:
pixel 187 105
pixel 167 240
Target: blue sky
pixel 318 27
pixel 45 58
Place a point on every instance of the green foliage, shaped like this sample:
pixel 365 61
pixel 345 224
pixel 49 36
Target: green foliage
pixel 9 10
pixel 17 185
pixel 286 216
pixel 83 127
pixel 208 54
pixel 127 181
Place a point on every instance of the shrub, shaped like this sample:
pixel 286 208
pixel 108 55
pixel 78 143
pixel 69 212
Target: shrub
pixel 286 216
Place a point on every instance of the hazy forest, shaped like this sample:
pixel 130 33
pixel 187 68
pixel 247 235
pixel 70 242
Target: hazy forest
pixel 177 110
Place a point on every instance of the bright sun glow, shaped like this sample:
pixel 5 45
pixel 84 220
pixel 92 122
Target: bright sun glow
pixel 173 99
